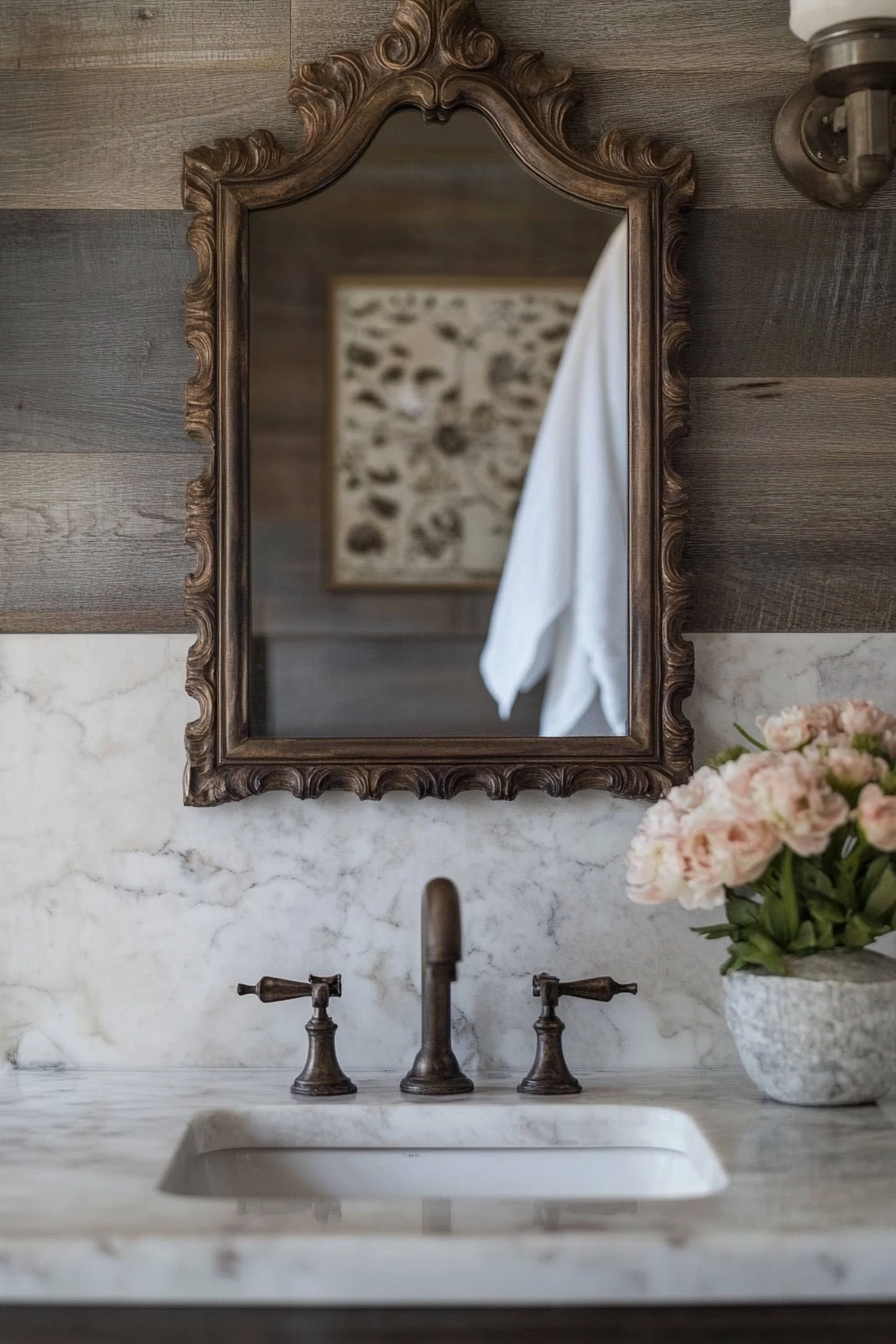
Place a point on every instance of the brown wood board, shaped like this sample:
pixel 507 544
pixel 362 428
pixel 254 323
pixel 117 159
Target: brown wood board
pixel 801 1323
pixel 91 328
pixel 97 533
pixel 78 34
pixel 650 34
pixel 112 139
pixel 801 293
pixel 92 319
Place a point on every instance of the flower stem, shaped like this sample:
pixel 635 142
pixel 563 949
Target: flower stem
pixel 752 740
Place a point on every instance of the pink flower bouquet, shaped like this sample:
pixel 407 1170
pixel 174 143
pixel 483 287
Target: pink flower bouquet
pixel 796 839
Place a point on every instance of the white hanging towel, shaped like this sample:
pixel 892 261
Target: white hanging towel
pixel 562 603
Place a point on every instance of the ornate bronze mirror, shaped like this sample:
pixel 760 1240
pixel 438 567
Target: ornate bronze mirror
pixel 439 532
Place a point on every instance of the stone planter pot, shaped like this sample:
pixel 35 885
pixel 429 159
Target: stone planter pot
pixel 822 1035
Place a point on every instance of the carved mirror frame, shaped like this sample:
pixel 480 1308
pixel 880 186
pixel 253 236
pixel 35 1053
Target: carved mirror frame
pixel 435 56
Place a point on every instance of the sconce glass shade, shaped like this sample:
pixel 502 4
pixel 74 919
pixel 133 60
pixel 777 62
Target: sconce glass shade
pixel 808 17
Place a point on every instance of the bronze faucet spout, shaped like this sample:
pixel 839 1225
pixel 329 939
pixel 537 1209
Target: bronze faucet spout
pixel 440 924
pixel 435 1071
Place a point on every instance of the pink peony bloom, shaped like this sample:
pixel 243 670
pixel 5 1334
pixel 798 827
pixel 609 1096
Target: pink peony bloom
pixel 704 789
pixel 863 717
pixel 789 793
pixel 798 725
pixel 846 767
pixel 876 815
pixel 719 851
pixel 655 869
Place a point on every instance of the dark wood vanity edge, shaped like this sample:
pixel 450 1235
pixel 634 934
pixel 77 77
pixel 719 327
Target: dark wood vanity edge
pixel 840 1323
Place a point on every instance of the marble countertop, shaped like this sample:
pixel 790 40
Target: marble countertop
pixel 809 1212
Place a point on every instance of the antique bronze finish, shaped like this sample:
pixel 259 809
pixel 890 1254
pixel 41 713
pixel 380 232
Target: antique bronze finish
pixel 549 1076
pixel 321 1076
pixel 435 1072
pixel 835 138
pixel 436 56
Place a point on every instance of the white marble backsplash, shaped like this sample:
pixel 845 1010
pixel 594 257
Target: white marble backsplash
pixel 126 919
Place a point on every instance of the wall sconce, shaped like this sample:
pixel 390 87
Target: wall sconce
pixel 835 137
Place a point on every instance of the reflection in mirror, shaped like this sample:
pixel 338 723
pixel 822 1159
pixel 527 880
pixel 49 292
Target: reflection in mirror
pixel 438 431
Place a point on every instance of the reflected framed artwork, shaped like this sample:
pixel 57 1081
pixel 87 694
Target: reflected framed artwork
pixel 438 387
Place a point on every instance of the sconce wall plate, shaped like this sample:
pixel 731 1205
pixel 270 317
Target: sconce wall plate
pixel 835 138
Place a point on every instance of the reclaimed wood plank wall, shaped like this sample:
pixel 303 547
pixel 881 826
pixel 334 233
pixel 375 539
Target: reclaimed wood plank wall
pixel 794 357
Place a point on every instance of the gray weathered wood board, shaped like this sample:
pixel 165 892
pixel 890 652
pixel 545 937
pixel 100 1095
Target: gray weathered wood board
pixel 793 293
pixel 794 357
pixel 113 139
pixel 793 496
pixel 91 328
pixel 92 321
pixel 639 34
pixel 94 541
pixel 80 34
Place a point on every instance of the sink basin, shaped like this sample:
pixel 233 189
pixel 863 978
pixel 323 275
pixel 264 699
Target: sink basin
pixel 401 1151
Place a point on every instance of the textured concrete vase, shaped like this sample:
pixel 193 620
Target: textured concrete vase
pixel 822 1035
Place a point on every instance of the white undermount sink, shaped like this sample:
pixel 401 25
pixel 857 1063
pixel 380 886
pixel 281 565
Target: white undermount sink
pixel 480 1151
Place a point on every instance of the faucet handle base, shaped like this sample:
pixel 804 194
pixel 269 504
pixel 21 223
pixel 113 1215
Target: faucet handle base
pixel 322 1076
pixel 549 1075
pixel 346 1088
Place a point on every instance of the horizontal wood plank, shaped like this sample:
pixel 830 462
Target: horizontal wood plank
pixel 793 294
pixel 725 117
pixel 97 535
pixel 92 320
pixel 80 34
pixel 792 488
pixel 114 139
pixel 645 34
pixel 787 460
pixel 793 494
pixel 91 328
pixel 724 1323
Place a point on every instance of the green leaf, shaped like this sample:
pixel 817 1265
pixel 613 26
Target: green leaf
pixel 759 939
pixel 845 889
pixel 742 911
pixel 805 941
pixel 722 757
pixel 715 930
pixel 809 875
pixel 775 920
pixel 772 960
pixel 829 912
pixel 858 933
pixel 882 901
pixel 873 873
pixel 789 901
pixel 825 939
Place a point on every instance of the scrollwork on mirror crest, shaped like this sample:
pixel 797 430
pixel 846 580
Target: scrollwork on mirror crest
pixel 420 61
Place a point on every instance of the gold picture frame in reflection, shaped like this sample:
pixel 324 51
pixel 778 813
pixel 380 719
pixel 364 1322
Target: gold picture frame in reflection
pixel 437 391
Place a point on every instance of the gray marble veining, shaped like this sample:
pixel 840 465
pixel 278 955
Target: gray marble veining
pixel 126 919
pixel 809 1212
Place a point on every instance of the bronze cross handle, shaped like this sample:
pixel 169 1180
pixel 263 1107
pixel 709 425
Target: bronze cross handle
pixel 600 987
pixel 321 1076
pixel 271 990
pixel 549 1076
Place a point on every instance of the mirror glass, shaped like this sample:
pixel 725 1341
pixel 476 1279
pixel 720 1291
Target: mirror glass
pixel 438 450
